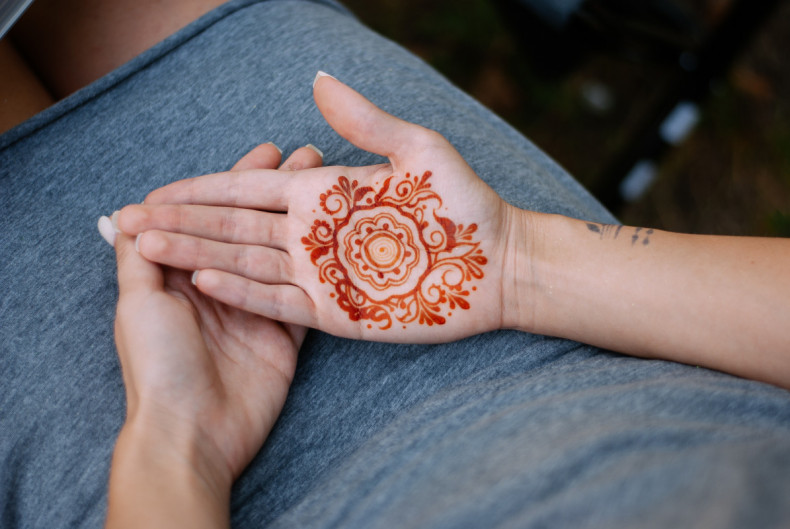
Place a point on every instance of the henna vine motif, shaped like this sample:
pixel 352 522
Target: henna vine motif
pixel 389 254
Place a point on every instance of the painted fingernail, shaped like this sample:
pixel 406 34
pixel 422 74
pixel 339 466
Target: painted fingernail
pixel 106 230
pixel 114 220
pixel 275 146
pixel 194 277
pixel 321 74
pixel 137 242
pixel 315 149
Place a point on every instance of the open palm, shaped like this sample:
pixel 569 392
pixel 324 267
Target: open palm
pixel 409 251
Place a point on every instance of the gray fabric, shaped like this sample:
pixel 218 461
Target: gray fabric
pixel 501 430
pixel 10 11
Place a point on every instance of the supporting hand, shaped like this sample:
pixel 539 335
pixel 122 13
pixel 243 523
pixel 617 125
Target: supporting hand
pixel 204 384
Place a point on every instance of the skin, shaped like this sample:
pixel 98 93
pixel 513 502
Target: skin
pixel 718 302
pixel 205 382
pixel 261 264
pixel 59 46
pixel 204 385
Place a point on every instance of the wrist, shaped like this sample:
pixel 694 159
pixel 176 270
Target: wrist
pixel 534 267
pixel 524 242
pixel 166 476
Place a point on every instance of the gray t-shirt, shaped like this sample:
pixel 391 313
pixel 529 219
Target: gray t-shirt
pixel 504 429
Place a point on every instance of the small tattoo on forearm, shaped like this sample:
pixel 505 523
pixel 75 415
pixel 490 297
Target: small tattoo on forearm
pixel 644 234
pixel 612 231
pixel 605 230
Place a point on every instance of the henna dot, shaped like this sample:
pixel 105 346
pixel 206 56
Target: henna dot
pixel 313 211
pixel 399 235
pixel 332 295
pixel 474 288
pixel 369 230
pixel 369 201
pixel 370 326
pixel 386 226
pixel 404 326
pixel 381 275
pixel 449 314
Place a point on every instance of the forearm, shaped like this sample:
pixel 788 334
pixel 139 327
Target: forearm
pixel 719 302
pixel 154 483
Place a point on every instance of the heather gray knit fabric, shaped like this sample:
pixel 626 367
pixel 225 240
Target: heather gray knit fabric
pixel 501 430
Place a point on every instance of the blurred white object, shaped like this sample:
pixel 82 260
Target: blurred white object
pixel 679 123
pixel 10 11
pixel 598 96
pixel 638 180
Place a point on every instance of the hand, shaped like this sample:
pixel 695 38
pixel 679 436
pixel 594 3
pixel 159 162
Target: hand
pixel 204 382
pixel 409 251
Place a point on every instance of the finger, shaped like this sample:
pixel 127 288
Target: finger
pixel 305 157
pixel 231 225
pixel 256 189
pixel 283 303
pixel 364 124
pixel 264 156
pixel 255 262
pixel 135 274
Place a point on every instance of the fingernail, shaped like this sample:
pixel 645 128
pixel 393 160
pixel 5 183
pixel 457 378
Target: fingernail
pixel 137 242
pixel 106 230
pixel 275 146
pixel 315 149
pixel 114 220
pixel 321 74
pixel 194 277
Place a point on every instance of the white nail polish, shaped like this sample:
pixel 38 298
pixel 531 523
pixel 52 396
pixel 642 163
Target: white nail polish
pixel 106 230
pixel 321 74
pixel 275 146
pixel 194 277
pixel 114 220
pixel 137 242
pixel 315 149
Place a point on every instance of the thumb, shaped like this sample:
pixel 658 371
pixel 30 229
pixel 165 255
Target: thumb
pixel 135 273
pixel 363 123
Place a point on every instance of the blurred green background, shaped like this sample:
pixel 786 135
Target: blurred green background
pixel 730 176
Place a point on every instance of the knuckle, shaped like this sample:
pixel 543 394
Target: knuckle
pixel 229 226
pixel 176 216
pixel 284 268
pixel 242 262
pixel 264 229
pixel 276 304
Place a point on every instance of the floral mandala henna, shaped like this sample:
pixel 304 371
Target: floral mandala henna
pixel 389 254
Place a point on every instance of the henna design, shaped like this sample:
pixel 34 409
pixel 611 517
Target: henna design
pixel 389 254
